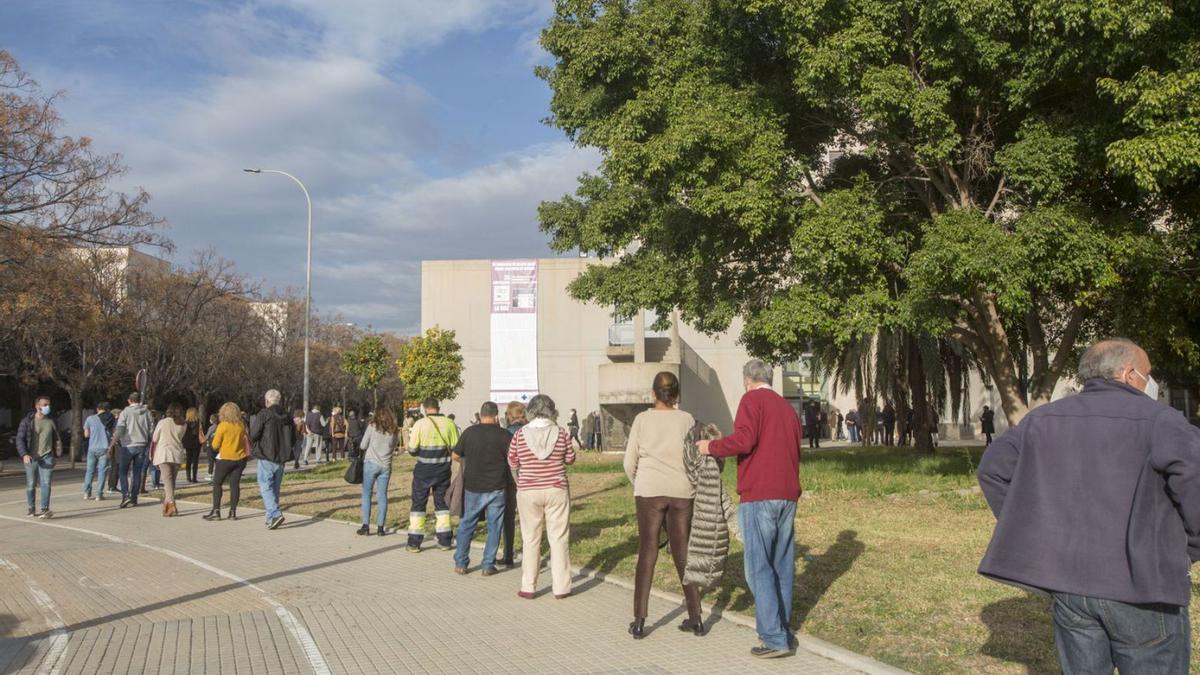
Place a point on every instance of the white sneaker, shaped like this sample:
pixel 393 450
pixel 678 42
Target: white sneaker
pixel 46 515
pixel 100 498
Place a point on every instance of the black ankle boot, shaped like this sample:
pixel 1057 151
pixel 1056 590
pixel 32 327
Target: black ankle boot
pixel 637 628
pixel 365 529
pixel 233 513
pixel 213 515
pixel 695 627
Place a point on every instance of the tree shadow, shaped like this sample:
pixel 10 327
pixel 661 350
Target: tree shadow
pixel 1021 631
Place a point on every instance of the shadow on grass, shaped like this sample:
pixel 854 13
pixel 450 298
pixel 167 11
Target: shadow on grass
pixel 1021 631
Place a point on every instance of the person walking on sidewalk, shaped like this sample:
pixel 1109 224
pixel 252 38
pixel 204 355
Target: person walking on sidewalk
pixel 485 479
pixel 168 453
pixel 1097 503
pixel 539 455
pixel 271 437
pixel 97 429
pixel 229 441
pixel 134 427
pixel 192 441
pixel 662 494
pixel 430 442
pixel 378 445
pixel 38 442
pixel 766 440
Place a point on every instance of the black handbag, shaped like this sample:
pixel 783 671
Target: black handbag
pixel 354 472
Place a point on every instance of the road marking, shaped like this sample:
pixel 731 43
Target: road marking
pixel 52 663
pixel 298 631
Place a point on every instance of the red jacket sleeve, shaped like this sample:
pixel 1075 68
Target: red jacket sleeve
pixel 744 436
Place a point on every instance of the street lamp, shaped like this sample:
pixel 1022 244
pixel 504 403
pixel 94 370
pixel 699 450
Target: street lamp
pixel 307 274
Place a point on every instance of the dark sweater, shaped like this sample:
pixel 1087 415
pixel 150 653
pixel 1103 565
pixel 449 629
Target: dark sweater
pixel 1097 494
pixel 766 441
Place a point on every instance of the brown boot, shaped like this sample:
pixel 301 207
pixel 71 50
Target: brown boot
pixel 171 510
pixel 166 509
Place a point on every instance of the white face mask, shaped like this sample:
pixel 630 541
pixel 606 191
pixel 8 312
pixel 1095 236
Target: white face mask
pixel 1151 389
pixel 45 410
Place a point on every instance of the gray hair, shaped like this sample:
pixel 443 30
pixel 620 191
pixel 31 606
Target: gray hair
pixel 541 406
pixel 273 397
pixel 1107 358
pixel 756 370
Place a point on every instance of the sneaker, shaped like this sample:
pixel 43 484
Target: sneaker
pixel 124 502
pixel 765 652
pixel 31 512
pixel 87 497
pixel 99 498
pixel 275 523
pixel 460 570
pixel 445 547
pixel 488 571
pixel 413 549
pixel 46 515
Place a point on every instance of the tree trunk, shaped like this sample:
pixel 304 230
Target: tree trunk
pixel 922 433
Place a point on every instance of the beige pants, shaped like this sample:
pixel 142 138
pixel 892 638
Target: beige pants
pixel 548 509
pixel 168 471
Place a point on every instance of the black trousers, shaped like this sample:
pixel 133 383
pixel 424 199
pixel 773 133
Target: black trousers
pixel 232 470
pixel 510 519
pixel 193 463
pixel 653 513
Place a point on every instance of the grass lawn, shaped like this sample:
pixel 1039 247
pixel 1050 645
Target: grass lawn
pixel 887 546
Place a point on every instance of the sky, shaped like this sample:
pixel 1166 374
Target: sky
pixel 415 125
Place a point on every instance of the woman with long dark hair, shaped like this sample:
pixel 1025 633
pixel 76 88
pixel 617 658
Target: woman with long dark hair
pixel 663 493
pixel 169 452
pixel 378 444
pixel 230 443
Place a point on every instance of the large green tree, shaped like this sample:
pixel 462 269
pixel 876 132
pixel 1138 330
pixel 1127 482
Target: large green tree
pixel 971 170
pixel 431 365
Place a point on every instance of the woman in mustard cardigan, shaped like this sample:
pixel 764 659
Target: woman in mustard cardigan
pixel 230 443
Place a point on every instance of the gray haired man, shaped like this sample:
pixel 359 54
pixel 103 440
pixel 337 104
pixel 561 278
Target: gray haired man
pixel 271 433
pixel 1097 503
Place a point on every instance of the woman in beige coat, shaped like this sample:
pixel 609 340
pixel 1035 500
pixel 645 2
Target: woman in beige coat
pixel 169 452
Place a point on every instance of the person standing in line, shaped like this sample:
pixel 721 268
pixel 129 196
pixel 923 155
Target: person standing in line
pixel 841 420
pixel 192 440
pixel 355 431
pixel 766 440
pixel 168 453
pixel 485 480
pixel 230 442
pixel 337 433
pixel 539 454
pixel 812 424
pixel 515 415
pixel 378 444
pixel 97 429
pixel 133 430
pixel 852 425
pixel 586 432
pixel 213 422
pixel 38 442
pixel 156 416
pixel 573 428
pixel 314 434
pixel 300 436
pixel 1097 504
pixel 888 417
pixel 662 494
pixel 271 438
pixel 430 442
pixel 988 423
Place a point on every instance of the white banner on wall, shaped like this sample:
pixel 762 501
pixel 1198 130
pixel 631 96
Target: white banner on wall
pixel 514 331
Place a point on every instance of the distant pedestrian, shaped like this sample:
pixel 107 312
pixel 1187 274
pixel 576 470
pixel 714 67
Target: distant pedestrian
pixel 134 426
pixel 1097 503
pixel 213 422
pixel 841 420
pixel 193 440
pixel 483 451
pixel 515 415
pixel 812 423
pixel 38 443
pixel 154 471
pixel 355 430
pixel 314 434
pixel 663 494
pixel 230 441
pixel 852 425
pixel 300 441
pixel 169 453
pixel 766 440
pixel 271 437
pixel 338 428
pixel 378 445
pixel 888 419
pixel 539 454
pixel 573 428
pixel 430 442
pixel 97 429
pixel 987 421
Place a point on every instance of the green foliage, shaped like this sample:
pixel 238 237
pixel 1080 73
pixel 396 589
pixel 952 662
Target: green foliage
pixel 431 366
pixel 368 361
pixel 1007 168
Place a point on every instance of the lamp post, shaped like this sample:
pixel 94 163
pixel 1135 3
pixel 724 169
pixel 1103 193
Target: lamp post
pixel 307 274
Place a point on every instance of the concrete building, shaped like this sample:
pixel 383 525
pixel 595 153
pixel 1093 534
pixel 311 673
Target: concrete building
pixel 576 353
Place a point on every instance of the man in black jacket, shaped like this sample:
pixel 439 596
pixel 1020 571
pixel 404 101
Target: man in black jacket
pixel 271 433
pixel 1097 501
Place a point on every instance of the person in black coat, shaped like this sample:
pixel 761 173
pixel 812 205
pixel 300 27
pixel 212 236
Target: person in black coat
pixel 988 421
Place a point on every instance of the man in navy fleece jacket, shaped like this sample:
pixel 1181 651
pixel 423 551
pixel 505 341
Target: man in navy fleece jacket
pixel 1097 503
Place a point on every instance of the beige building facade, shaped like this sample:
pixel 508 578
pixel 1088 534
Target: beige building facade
pixel 584 359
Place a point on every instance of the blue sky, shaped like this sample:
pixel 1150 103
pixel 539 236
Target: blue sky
pixel 415 125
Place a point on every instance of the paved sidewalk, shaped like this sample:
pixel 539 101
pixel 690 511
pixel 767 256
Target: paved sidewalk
pixel 98 589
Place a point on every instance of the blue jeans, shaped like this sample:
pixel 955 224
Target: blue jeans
pixel 270 479
pixel 1095 635
pixel 375 477
pixel 476 504
pixel 97 468
pixel 768 528
pixel 38 472
pixel 132 457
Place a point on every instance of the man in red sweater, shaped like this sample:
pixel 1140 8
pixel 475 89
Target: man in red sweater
pixel 766 441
